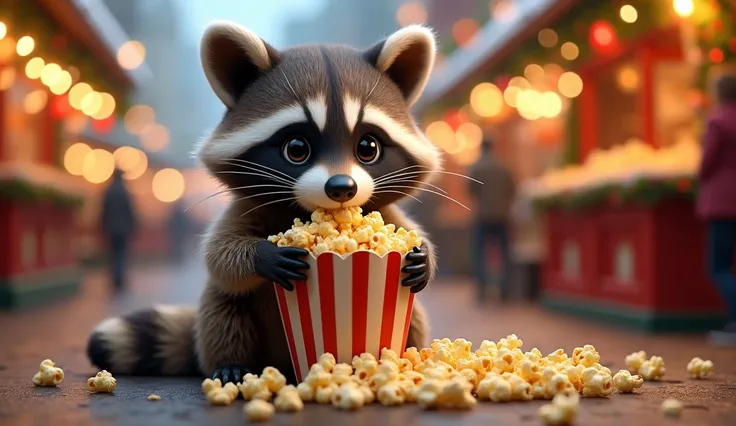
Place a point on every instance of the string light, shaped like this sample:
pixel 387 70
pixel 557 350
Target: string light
pixel 131 54
pixel 34 68
pixel 50 74
pixel 74 158
pixel 98 166
pixel 137 118
pixel 683 8
pixel 628 14
pixel 3 30
pixel 570 85
pixel 547 37
pixel 486 100
pixel 569 51
pixel 25 46
pixel 441 134
pixel 168 185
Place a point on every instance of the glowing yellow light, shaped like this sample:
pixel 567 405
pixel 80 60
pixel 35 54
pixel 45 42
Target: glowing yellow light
pixel 34 68
pixel 628 78
pixel 74 158
pixel 520 82
pixel 137 118
pixel 98 166
pixel 77 93
pixel 155 137
pixel 628 13
pixel 550 104
pixel 131 54
pixel 471 133
pixel 106 108
pixel 126 158
pixel 486 100
pixel 547 37
pixel 140 168
pixel 441 134
pixel 683 8
pixel 34 102
pixel 168 185
pixel 3 30
pixel 50 74
pixel 467 156
pixel 91 103
pixel 534 72
pixel 510 94
pixel 7 48
pixel 527 103
pixel 569 51
pixel 7 78
pixel 25 46
pixel 570 85
pixel 63 83
pixel 411 12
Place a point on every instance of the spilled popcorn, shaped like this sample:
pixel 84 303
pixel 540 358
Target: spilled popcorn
pixel 648 369
pixel 48 374
pixel 217 394
pixel 258 410
pixel 624 382
pixel 344 231
pixel 102 382
pixel 154 397
pixel 561 411
pixel 699 369
pixel 671 407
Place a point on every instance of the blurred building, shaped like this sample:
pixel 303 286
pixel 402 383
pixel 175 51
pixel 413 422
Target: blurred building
pixel 597 109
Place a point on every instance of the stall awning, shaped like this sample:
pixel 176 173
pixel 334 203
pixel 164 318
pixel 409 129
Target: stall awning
pixel 494 40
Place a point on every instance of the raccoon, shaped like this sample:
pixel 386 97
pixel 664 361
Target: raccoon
pixel 311 126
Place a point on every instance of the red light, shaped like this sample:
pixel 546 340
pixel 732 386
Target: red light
pixel 104 126
pixel 715 55
pixel 455 118
pixel 60 107
pixel 602 34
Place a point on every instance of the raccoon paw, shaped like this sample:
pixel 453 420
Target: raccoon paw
pixel 281 265
pixel 418 269
pixel 230 373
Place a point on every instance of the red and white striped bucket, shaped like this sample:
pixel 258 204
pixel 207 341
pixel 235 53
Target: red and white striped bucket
pixel 346 307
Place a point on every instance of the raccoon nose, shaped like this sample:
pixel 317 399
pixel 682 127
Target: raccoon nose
pixel 341 188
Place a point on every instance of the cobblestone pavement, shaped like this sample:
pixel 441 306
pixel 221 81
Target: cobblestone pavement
pixel 59 332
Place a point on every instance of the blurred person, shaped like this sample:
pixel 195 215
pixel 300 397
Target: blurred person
pixel 118 223
pixel 493 201
pixel 180 229
pixel 717 200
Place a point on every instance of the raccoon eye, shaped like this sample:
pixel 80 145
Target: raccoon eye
pixel 296 150
pixel 368 150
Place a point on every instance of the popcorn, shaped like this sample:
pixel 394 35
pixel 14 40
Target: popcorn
pixel 494 388
pixel 288 399
pixel 349 398
pixel 391 394
pixel 48 374
pixel 254 387
pixel 258 410
pixel 699 369
pixel 596 384
pixel 344 231
pixel 273 379
pixel 653 369
pixel 217 394
pixel 102 382
pixel 323 395
pixel 561 411
pixel 154 397
pixel 626 383
pixel 671 407
pixel 327 361
pixel 635 360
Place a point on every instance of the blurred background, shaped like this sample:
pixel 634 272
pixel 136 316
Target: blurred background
pixel 592 114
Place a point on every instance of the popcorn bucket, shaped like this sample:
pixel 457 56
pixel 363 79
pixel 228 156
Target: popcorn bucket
pixel 347 306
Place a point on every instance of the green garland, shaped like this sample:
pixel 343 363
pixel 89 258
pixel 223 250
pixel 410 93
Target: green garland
pixel 22 190
pixel 27 17
pixel 643 192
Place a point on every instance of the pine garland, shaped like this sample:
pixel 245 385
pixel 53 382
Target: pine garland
pixel 27 17
pixel 22 190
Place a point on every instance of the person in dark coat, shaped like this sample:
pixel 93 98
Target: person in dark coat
pixel 717 200
pixel 118 223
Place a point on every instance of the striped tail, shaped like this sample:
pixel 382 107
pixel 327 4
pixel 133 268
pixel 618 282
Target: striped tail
pixel 158 341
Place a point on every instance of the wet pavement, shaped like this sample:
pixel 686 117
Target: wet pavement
pixel 59 332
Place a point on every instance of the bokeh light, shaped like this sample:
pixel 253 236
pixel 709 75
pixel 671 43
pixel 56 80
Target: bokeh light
pixel 155 137
pixel 7 78
pixel 683 8
pixel 628 13
pixel 7 49
pixel 74 158
pixel 471 134
pixel 34 102
pixel 464 31
pixel 570 51
pixel 168 185
pixel 62 84
pixel 534 72
pixel 137 118
pixel 98 166
pixel 34 68
pixel 411 12
pixel 628 78
pixel 77 94
pixel 131 54
pixel 441 134
pixel 91 103
pixel 50 74
pixel 107 107
pixel 3 30
pixel 486 100
pixel 25 46
pixel 547 37
pixel 570 85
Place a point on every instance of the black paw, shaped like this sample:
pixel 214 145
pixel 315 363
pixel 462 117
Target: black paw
pixel 418 269
pixel 280 264
pixel 230 373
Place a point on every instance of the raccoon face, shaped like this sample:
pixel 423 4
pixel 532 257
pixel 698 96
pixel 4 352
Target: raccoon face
pixel 322 126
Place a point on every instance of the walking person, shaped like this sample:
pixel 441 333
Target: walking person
pixel 118 223
pixel 717 201
pixel 493 202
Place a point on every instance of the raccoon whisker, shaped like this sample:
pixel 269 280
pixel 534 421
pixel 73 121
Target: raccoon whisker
pixel 269 177
pixel 290 86
pixel 260 194
pixel 392 174
pixel 386 191
pixel 435 193
pixel 417 172
pixel 270 169
pixel 392 181
pixel 271 185
pixel 269 203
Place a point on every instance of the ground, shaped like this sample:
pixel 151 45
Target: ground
pixel 59 332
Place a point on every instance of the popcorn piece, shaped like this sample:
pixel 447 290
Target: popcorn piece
pixel 494 388
pixel 345 231
pixel 102 382
pixel 273 379
pixel 349 398
pixel 625 382
pixel 323 395
pixel 561 411
pixel 596 384
pixel 306 392
pixel 256 388
pixel 671 407
pixel 327 361
pixel 653 369
pixel 288 400
pixel 635 360
pixel 217 394
pixel 699 369
pixel 455 394
pixel 587 356
pixel 154 397
pixel 390 394
pixel 48 374
pixel 258 410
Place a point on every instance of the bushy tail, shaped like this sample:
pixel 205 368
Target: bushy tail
pixel 158 341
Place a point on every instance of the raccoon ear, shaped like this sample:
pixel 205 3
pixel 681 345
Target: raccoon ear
pixel 407 57
pixel 232 58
